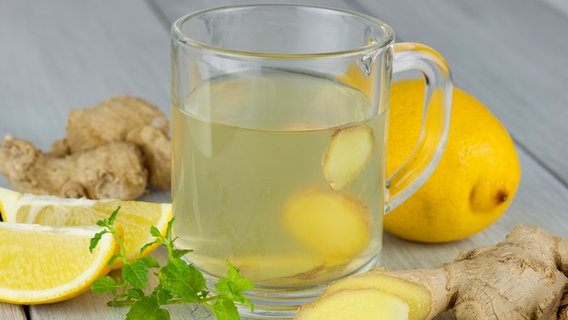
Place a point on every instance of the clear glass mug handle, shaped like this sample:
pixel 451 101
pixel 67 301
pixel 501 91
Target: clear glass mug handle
pixel 435 125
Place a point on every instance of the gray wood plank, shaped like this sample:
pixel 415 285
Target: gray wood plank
pixel 558 4
pixel 11 312
pixel 511 54
pixel 176 8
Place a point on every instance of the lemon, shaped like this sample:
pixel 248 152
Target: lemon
pixel 135 217
pixel 473 184
pixel 41 264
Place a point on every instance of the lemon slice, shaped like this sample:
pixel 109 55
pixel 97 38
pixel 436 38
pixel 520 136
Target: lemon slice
pixel 41 264
pixel 135 217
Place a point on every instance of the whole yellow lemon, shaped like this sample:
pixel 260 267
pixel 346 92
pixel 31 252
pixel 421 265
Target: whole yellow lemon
pixel 473 184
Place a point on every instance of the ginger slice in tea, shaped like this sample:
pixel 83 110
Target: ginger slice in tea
pixel 347 155
pixel 333 224
pixel 279 269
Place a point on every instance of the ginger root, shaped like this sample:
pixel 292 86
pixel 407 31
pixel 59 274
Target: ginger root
pixel 114 170
pixel 113 149
pixel 122 118
pixel 523 277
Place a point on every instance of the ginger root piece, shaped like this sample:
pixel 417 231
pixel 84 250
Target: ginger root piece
pixel 346 305
pixel 332 223
pixel 563 309
pixel 523 277
pixel 156 148
pixel 114 170
pixel 122 118
pixel 347 155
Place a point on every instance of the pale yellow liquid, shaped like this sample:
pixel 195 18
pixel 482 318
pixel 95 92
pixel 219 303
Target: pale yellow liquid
pixel 243 145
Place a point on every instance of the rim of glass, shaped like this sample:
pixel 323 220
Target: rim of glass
pixel 179 36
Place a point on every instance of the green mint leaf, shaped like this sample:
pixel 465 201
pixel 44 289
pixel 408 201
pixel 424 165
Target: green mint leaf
pixel 155 232
pixel 235 276
pixel 230 290
pixel 169 228
pixel 182 279
pixel 151 262
pixel 162 295
pixel 113 216
pixel 136 273
pixel 147 308
pixel 135 293
pixel 233 286
pixel 95 240
pixel 147 245
pixel 104 285
pixel 224 309
pixel 178 253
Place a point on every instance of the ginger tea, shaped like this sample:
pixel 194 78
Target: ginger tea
pixel 278 172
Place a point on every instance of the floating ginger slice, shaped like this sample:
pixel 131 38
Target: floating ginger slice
pixel 332 223
pixel 347 155
pixel 368 304
pixel 278 269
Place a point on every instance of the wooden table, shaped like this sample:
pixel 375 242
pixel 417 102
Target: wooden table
pixel 511 54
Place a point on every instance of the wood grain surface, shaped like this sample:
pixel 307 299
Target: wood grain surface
pixel 512 54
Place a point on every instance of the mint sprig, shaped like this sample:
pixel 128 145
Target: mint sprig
pixel 178 281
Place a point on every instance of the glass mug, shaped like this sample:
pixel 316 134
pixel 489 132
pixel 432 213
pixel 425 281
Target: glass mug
pixel 279 119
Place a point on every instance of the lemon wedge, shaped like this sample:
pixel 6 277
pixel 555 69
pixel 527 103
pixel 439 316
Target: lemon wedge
pixel 135 217
pixel 41 264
